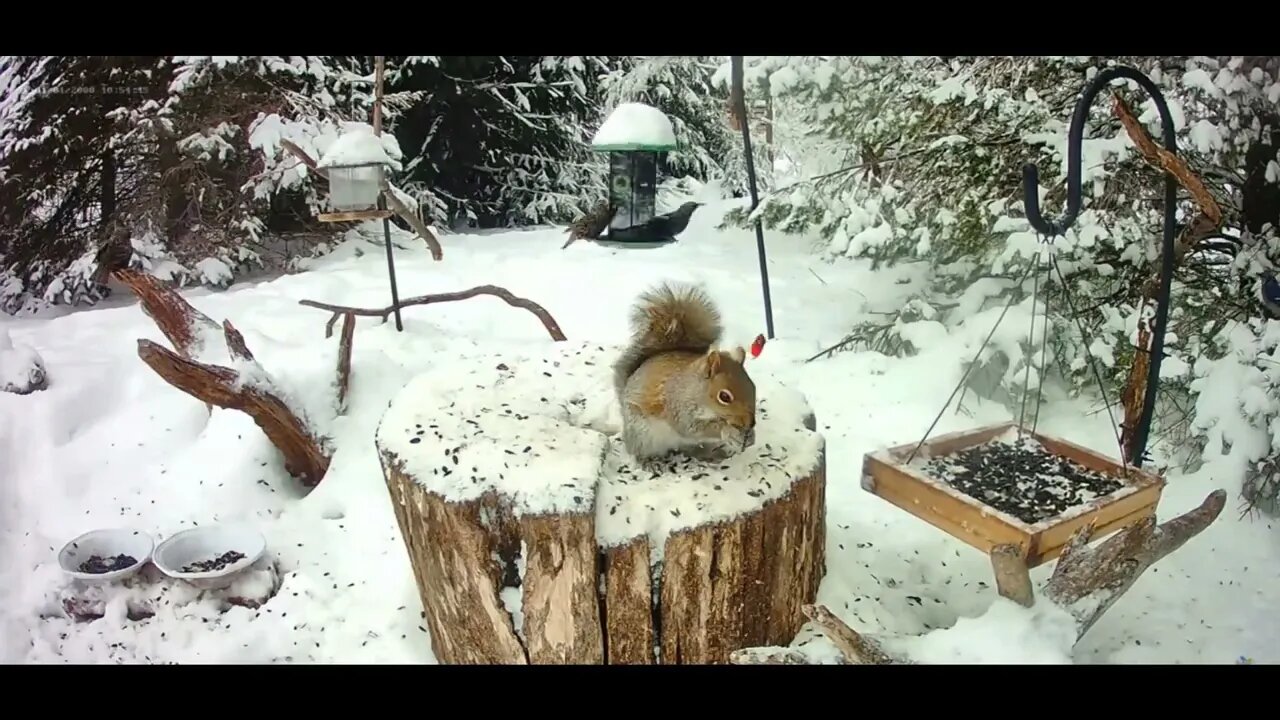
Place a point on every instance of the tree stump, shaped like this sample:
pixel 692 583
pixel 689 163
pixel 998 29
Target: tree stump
pixel 535 538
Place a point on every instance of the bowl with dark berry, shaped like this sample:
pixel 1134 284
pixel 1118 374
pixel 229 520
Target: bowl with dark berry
pixel 107 555
pixel 210 556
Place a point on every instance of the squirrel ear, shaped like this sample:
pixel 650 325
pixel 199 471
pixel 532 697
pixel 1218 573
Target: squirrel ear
pixel 713 362
pixel 738 354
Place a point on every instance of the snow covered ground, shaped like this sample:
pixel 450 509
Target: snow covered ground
pixel 109 443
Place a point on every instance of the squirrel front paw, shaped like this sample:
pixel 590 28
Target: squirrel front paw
pixel 710 451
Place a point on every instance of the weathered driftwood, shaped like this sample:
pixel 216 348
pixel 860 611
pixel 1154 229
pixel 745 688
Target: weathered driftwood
pixel 857 649
pixel 191 332
pixel 1088 581
pixel 589 590
pixel 182 325
pixel 1085 582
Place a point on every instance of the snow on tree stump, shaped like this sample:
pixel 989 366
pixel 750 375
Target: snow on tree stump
pixel 535 538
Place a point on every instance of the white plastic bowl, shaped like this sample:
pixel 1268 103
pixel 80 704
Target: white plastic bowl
pixel 106 543
pixel 206 543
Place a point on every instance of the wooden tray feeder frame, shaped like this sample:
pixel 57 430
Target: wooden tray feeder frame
pixel 887 474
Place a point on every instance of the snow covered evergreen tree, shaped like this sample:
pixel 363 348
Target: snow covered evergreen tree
pixel 66 176
pixel 501 140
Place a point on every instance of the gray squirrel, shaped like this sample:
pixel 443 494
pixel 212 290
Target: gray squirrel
pixel 676 390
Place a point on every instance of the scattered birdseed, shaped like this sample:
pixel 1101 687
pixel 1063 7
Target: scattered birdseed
pixel 1021 478
pixel 98 565
pixel 227 558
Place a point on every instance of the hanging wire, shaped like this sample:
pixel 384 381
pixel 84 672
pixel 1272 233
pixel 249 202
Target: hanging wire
pixel 1031 338
pixel 1093 362
pixel 1013 297
pixel 1044 349
pixel 1049 229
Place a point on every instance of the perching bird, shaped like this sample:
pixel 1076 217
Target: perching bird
pixel 673 223
pixel 592 224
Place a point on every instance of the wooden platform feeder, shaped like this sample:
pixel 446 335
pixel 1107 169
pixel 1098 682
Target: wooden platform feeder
pixel 887 474
pixel 535 539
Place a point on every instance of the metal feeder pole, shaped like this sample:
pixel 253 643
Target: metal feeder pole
pixel 1031 181
pixel 382 200
pixel 740 96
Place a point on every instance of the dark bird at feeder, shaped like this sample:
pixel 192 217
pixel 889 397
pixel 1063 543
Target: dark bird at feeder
pixel 592 224
pixel 673 223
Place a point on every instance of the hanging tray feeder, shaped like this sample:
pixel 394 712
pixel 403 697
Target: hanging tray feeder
pixel 1009 485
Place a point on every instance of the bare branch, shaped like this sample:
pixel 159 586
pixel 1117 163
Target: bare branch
pixel 344 358
pixel 858 650
pixel 553 328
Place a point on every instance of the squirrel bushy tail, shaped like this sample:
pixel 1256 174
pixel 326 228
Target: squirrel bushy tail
pixel 666 318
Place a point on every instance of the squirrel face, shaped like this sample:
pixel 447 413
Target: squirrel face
pixel 731 394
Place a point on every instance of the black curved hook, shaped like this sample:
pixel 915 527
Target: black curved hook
pixel 1031 184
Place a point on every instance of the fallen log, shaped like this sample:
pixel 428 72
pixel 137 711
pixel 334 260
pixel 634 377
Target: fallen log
pixel 1087 581
pixel 198 366
pixel 186 328
pixel 534 539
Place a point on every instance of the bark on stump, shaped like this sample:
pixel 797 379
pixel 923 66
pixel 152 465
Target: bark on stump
pixel 534 539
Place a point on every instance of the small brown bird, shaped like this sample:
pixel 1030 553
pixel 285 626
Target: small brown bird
pixel 592 224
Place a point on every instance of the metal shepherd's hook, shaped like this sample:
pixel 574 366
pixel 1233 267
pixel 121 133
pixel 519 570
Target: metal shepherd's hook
pixel 1031 184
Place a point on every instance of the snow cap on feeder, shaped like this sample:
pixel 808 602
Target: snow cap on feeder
pixel 633 135
pixel 356 163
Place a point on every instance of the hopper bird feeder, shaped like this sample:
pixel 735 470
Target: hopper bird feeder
pixel 633 135
pixel 356 166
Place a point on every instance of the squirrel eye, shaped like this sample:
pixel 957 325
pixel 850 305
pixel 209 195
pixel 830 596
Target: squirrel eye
pixel 725 397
